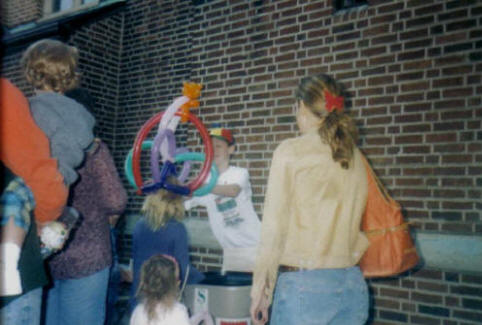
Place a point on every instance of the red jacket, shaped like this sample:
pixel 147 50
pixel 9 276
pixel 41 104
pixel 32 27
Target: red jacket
pixel 24 149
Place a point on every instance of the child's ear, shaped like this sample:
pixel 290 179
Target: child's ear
pixel 231 149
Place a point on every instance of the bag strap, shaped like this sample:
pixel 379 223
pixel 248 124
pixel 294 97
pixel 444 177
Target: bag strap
pixel 379 183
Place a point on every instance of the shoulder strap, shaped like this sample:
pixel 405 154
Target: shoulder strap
pixel 379 183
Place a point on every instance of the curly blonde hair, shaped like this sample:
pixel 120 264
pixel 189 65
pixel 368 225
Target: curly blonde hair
pixel 158 284
pixel 337 129
pixel 162 206
pixel 51 65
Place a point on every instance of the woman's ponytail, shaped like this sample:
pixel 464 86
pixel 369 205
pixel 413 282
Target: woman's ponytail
pixel 340 133
pixel 322 95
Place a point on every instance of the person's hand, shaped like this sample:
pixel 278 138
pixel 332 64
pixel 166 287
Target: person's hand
pixel 113 219
pixel 259 310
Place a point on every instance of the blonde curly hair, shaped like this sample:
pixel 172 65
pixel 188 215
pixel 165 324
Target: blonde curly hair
pixel 51 65
pixel 162 206
pixel 158 284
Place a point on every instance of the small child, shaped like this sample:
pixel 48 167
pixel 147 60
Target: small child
pixel 50 67
pixel 160 231
pixel 158 292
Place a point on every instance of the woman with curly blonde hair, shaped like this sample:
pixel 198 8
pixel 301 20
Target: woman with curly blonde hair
pixel 311 240
pixel 160 231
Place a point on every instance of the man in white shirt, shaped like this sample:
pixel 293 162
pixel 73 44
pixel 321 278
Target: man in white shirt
pixel 231 214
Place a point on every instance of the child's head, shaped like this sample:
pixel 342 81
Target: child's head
pixel 162 206
pixel 223 145
pixel 51 65
pixel 158 283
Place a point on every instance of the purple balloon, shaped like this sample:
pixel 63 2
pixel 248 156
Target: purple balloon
pixel 167 134
pixel 186 167
pixel 164 134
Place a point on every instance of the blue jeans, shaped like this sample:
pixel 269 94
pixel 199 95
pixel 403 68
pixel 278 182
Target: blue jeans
pixel 323 296
pixel 25 310
pixel 78 301
pixel 114 281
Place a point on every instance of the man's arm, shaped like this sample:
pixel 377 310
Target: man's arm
pixel 239 179
pixel 230 190
pixel 24 149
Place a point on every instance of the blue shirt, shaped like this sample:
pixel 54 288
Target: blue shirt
pixel 171 240
pixel 17 202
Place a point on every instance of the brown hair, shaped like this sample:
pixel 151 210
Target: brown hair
pixel 158 284
pixel 337 129
pixel 51 65
pixel 162 206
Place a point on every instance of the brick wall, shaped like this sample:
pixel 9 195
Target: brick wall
pixel 413 69
pixel 16 12
pixel 100 48
pixel 427 297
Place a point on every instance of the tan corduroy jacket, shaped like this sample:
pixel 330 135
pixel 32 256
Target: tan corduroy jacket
pixel 312 211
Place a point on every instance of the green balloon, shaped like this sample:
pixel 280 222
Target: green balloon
pixel 147 144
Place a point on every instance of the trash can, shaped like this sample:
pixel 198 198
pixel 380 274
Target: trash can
pixel 225 297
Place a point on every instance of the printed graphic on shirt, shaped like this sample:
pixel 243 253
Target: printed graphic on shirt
pixel 228 207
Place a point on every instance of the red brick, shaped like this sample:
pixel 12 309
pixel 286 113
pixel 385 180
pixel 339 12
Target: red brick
pixel 421 85
pixel 459 92
pixel 378 30
pixel 462 69
pixel 386 59
pixel 395 7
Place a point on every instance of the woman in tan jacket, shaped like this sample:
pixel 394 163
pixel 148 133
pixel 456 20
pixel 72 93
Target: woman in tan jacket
pixel 311 239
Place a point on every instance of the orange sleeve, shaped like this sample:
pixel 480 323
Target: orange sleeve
pixel 24 149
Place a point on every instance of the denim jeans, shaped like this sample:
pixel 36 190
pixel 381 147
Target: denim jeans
pixel 78 301
pixel 323 296
pixel 114 282
pixel 25 310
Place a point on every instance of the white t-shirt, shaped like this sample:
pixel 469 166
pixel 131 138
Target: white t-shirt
pixel 176 315
pixel 233 221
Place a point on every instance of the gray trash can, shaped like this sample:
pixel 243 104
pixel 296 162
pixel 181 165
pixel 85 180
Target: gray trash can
pixel 225 297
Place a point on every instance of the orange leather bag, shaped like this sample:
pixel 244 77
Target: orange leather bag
pixel 391 249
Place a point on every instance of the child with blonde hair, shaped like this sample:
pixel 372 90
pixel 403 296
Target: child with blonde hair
pixel 158 292
pixel 160 231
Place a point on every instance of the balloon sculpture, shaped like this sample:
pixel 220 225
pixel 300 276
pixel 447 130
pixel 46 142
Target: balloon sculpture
pixel 163 148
